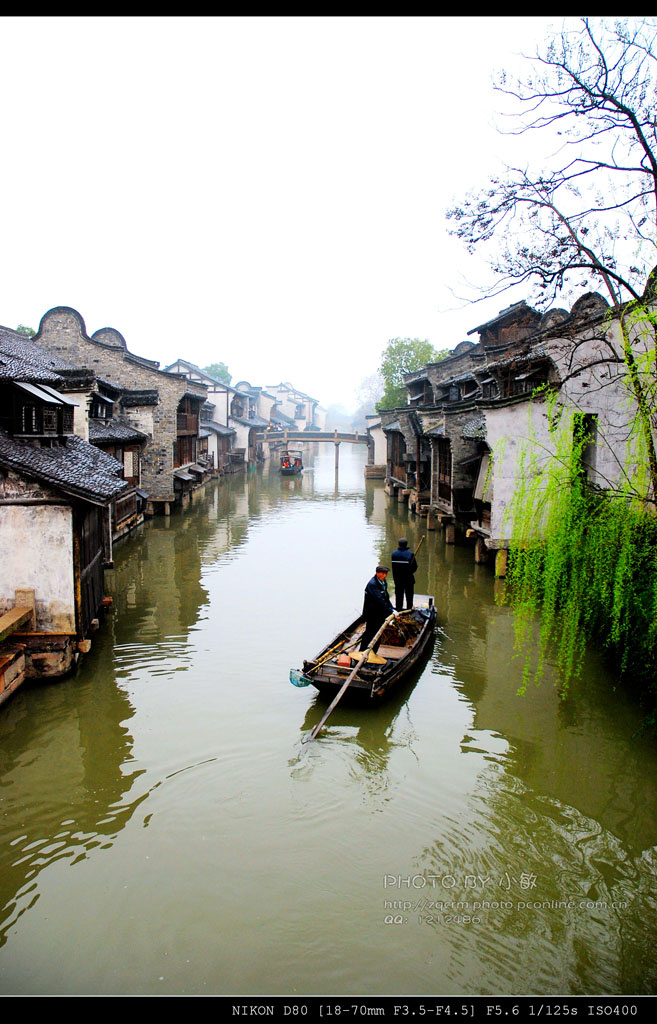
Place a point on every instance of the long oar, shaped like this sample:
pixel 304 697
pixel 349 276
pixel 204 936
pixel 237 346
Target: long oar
pixel 352 675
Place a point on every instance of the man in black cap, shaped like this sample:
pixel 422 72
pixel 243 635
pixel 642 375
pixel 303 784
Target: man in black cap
pixel 376 609
pixel 403 567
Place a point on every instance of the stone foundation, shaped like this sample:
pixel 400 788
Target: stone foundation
pixel 48 655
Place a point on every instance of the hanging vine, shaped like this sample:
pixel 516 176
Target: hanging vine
pixel 583 558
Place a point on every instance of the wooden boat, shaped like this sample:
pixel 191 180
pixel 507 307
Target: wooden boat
pixel 291 462
pixel 406 640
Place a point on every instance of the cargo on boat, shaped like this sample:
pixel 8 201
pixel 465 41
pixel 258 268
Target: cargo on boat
pixel 407 638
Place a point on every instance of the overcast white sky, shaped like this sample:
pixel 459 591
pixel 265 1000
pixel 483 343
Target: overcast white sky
pixel 268 192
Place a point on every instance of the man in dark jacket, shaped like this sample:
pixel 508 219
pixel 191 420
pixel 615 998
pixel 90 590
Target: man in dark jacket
pixel 376 609
pixel 403 567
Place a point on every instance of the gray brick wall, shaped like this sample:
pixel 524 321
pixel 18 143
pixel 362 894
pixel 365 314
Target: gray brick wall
pixel 63 332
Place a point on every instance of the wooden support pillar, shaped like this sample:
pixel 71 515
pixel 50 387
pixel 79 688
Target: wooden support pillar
pixel 501 559
pixel 431 521
pixel 418 486
pixel 337 455
pixel 481 551
pixel 450 534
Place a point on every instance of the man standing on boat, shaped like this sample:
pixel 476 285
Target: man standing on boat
pixel 403 567
pixel 376 609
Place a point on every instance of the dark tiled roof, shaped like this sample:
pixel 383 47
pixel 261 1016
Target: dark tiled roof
pixel 135 398
pixel 516 309
pixel 217 428
pixel 521 357
pixel 21 359
pixel 475 428
pixel 254 421
pixel 280 417
pixel 193 368
pixel 74 467
pixel 101 431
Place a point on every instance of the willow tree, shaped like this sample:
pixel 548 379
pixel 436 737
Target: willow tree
pixel 584 218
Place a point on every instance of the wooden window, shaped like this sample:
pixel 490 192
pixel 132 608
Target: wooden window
pixel 49 420
pixel 184 450
pixel 28 419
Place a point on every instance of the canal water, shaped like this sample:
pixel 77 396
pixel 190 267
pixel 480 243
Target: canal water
pixel 164 829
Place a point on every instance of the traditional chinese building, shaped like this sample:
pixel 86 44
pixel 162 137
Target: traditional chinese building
pixel 56 496
pixel 163 406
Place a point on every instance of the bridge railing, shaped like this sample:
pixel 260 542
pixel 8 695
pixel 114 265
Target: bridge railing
pixel 336 436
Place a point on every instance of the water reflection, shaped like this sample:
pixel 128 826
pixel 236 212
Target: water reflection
pixel 66 785
pixel 160 806
pixel 376 731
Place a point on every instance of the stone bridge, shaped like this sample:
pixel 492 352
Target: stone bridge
pixel 337 437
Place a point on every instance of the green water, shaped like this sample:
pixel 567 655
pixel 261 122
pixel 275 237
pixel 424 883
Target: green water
pixel 163 829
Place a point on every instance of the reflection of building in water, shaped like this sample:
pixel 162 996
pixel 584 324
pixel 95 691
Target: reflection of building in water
pixel 377 504
pixel 157 581
pixel 551 740
pixel 66 789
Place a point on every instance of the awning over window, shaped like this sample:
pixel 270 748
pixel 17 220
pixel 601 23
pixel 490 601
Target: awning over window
pixel 41 393
pixel 49 394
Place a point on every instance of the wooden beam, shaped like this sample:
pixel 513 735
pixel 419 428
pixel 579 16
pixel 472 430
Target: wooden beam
pixel 13 620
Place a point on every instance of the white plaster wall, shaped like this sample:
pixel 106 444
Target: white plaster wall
pixel 80 413
pixel 380 444
pixel 221 401
pixel 509 431
pixel 286 405
pixel 265 403
pixel 241 437
pixel 601 390
pixel 591 384
pixel 36 551
pixel 141 418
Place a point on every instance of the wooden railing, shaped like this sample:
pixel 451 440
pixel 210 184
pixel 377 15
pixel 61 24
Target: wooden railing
pixel 124 507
